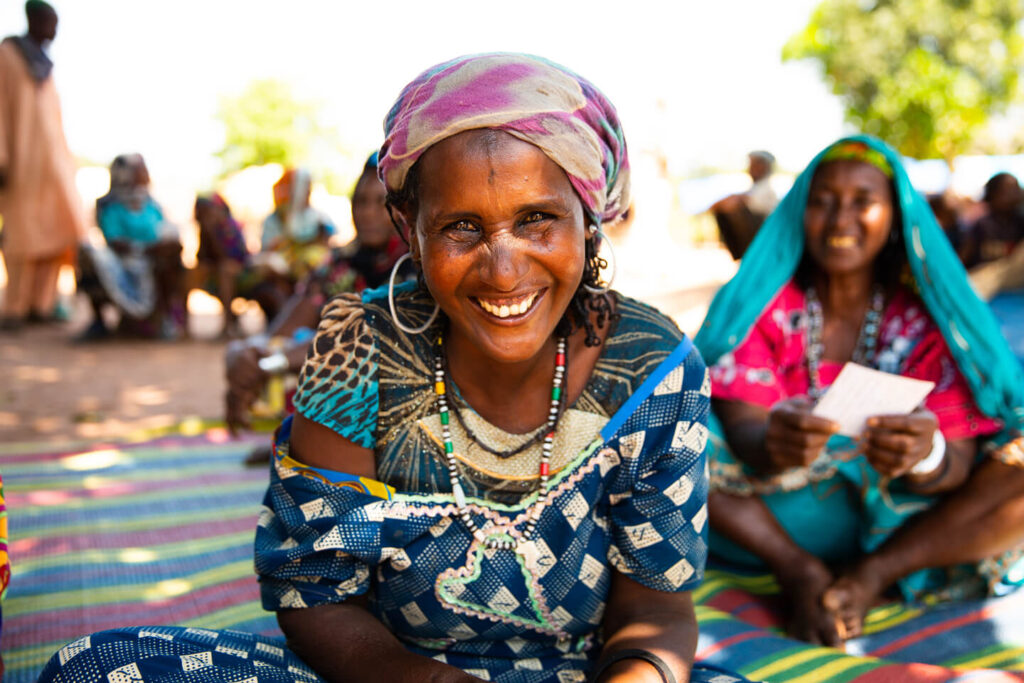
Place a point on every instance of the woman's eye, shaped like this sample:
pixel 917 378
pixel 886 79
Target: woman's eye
pixel 817 200
pixel 536 219
pixel 460 226
pixel 865 201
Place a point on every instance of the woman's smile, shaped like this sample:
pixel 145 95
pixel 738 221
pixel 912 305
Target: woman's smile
pixel 842 241
pixel 509 308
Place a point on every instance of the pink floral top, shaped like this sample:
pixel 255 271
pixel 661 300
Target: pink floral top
pixel 770 365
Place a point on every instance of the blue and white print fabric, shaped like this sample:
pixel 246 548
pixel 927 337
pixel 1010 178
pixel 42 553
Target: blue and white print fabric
pixel 635 500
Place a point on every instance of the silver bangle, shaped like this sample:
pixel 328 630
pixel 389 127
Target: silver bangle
pixel 274 364
pixel 933 460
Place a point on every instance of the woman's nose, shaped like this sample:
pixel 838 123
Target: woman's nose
pixel 844 216
pixel 504 263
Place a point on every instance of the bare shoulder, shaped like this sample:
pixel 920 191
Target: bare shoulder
pixel 315 445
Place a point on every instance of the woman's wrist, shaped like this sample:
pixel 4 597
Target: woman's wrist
pixel 632 664
pixel 631 670
pixel 934 463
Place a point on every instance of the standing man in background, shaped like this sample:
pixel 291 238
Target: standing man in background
pixel 43 219
pixel 739 216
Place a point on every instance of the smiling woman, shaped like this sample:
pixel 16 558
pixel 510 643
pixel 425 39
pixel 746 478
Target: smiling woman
pixel 495 472
pixel 852 267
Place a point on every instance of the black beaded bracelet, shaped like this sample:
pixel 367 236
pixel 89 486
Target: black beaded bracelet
pixel 634 653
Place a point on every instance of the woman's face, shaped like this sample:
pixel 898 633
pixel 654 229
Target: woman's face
pixel 369 213
pixel 848 216
pixel 499 233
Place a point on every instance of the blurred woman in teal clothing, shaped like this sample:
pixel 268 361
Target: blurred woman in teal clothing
pixel 139 269
pixel 852 267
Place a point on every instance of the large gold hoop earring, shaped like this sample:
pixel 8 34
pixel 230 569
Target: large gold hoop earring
pixel 391 301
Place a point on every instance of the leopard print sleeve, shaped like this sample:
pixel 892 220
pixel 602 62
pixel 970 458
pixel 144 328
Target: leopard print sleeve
pixel 338 383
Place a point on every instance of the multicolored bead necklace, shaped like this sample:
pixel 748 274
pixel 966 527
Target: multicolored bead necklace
pixel 867 340
pixel 554 412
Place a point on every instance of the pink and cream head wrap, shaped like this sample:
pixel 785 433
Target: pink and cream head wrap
pixel 528 97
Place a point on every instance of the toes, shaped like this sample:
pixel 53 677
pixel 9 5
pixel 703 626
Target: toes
pixel 834 600
pixel 853 625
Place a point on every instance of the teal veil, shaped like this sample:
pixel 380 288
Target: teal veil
pixel 967 324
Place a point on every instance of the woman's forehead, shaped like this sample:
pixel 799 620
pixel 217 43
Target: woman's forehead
pixel 504 160
pixel 850 173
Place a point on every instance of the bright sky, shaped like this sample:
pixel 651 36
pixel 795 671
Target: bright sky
pixel 703 81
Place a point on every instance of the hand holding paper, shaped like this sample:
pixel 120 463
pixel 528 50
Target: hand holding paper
pixel 859 393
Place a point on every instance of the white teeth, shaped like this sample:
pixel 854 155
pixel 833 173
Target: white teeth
pixel 842 241
pixel 505 310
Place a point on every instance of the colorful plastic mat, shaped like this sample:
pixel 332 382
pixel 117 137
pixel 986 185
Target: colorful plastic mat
pixel 159 532
pixel 740 623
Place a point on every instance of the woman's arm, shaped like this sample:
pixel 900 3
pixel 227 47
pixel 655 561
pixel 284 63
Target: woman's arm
pixel 642 618
pixel 344 642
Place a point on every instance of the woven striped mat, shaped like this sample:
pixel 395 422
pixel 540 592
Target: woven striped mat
pixel 161 533
pixel 158 532
pixel 970 641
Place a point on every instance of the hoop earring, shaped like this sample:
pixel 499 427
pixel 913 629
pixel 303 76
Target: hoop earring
pixel 598 235
pixel 391 301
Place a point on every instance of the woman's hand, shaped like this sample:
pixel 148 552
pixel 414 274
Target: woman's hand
pixel 245 381
pixel 893 444
pixel 794 437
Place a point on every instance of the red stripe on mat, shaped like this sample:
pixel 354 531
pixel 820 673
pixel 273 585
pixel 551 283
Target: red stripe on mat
pixel 926 633
pixel 748 608
pixel 901 673
pixel 728 642
pixel 75 622
pixel 39 547
pixel 42 498
pixel 215 436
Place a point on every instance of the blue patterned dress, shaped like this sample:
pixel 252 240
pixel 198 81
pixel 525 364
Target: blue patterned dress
pixel 627 491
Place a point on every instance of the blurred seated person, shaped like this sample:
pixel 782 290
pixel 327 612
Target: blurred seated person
pixel 740 215
pixel 139 268
pixel 222 255
pixel 1000 229
pixel 364 263
pixel 294 241
pixel 946 208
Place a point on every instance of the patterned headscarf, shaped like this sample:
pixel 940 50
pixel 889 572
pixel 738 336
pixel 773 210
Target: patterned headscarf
pixel 855 150
pixel 529 97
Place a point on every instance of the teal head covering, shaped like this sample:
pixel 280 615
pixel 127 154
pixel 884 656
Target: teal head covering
pixel 967 324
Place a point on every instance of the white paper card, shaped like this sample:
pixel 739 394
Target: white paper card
pixel 859 393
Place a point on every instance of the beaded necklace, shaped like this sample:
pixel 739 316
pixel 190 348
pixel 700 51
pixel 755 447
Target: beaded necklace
pixel 867 340
pixel 554 412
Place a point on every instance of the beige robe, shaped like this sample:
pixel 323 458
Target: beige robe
pixel 43 216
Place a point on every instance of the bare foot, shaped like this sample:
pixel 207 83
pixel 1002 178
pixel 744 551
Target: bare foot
pixel 803 584
pixel 848 600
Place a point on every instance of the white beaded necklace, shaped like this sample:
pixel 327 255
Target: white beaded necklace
pixel 867 340
pixel 554 412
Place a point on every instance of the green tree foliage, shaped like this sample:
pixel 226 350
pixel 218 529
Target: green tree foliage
pixel 265 124
pixel 924 75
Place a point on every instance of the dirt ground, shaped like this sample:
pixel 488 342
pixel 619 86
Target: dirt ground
pixel 55 390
